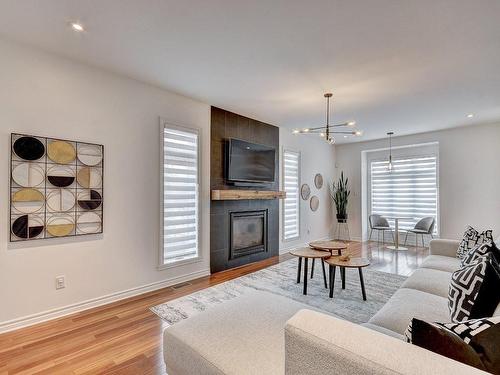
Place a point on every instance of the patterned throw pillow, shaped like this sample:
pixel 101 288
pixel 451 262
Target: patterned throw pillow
pixel 478 251
pixel 472 238
pixel 474 342
pixel 474 290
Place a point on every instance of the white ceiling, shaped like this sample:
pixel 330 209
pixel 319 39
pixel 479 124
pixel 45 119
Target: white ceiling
pixel 409 66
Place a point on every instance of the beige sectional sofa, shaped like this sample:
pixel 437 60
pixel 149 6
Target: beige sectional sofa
pixel 261 333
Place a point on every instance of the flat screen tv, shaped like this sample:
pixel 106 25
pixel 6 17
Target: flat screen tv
pixel 250 162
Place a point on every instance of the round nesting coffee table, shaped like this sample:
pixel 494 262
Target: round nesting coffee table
pixel 359 263
pixel 329 245
pixel 308 253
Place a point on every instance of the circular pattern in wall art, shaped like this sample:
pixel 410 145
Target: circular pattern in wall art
pixel 305 191
pixel 28 174
pixel 89 154
pixel 28 148
pixel 53 184
pixel 314 203
pixel 61 175
pixel 27 201
pixel 318 181
pixel 61 152
pixel 61 225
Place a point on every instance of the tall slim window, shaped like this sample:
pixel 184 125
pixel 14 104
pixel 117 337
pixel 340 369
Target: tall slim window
pixel 180 194
pixel 410 190
pixel 291 208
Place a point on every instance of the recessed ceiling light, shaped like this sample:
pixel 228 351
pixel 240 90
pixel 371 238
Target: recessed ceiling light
pixel 78 27
pixel 470 115
pixel 345 136
pixel 295 131
pixel 306 130
pixel 351 123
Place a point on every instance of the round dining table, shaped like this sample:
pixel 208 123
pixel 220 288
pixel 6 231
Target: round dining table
pixel 396 231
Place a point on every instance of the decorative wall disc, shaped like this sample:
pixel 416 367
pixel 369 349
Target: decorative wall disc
pixel 61 175
pixel 61 152
pixel 89 154
pixel 28 174
pixel 89 177
pixel 60 200
pixel 60 226
pixel 89 222
pixel 27 227
pixel 29 148
pixel 305 191
pixel 28 201
pixel 314 203
pixel 89 199
pixel 318 181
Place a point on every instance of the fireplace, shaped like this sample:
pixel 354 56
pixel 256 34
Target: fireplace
pixel 247 232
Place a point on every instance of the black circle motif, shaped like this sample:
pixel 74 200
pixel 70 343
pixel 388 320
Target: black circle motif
pixel 29 148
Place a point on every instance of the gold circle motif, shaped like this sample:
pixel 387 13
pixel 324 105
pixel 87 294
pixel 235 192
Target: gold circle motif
pixel 61 152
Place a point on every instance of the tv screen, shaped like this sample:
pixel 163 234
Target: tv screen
pixel 250 162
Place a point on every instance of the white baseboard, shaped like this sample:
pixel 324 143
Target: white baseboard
pixel 59 312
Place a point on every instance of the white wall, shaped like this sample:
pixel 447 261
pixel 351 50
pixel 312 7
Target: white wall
pixel 469 166
pixel 316 157
pixel 46 95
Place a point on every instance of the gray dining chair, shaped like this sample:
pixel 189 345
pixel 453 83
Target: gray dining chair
pixel 424 226
pixel 380 224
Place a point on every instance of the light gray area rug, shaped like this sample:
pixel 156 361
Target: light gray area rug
pixel 280 279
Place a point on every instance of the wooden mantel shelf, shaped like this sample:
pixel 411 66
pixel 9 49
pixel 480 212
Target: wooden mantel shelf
pixel 240 194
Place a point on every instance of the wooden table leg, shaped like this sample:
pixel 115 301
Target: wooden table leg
pixel 342 275
pixel 305 276
pixel 362 283
pixel 331 270
pixel 299 270
pixel 324 273
pixel 312 268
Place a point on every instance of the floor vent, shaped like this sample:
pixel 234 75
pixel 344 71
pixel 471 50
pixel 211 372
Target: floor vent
pixel 181 285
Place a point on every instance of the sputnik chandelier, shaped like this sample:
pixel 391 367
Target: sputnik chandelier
pixel 327 131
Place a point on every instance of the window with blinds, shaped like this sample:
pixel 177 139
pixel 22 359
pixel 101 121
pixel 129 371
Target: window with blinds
pixel 291 211
pixel 180 194
pixel 409 190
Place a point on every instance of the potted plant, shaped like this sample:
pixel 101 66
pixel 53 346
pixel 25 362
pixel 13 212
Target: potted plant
pixel 340 195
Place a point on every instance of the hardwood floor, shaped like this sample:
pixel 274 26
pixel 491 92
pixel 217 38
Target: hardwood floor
pixel 125 337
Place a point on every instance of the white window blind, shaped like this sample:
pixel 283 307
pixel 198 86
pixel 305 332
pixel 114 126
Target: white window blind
pixel 180 194
pixel 291 212
pixel 409 190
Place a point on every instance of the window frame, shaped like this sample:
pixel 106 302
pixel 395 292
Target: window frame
pixel 165 123
pixel 299 210
pixel 409 155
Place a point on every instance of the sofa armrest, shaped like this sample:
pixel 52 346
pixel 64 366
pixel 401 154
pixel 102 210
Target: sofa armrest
pixel 444 247
pixel 320 344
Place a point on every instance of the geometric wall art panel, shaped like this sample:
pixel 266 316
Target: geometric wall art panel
pixel 56 188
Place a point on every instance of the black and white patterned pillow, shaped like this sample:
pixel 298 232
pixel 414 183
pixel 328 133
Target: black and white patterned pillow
pixel 474 290
pixel 474 342
pixel 472 238
pixel 479 251
pixel 465 330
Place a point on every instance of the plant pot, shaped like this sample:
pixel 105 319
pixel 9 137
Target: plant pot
pixel 341 218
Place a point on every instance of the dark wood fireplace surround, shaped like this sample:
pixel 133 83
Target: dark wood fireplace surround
pixel 226 251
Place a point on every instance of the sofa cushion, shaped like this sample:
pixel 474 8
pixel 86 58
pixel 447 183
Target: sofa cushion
pixel 429 280
pixel 454 340
pixel 407 304
pixel 383 330
pixel 472 238
pixel 478 251
pixel 441 262
pixel 474 290
pixel 240 336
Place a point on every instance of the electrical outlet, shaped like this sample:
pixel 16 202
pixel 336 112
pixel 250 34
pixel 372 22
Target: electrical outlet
pixel 60 282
